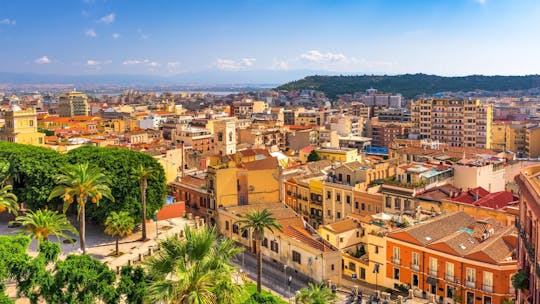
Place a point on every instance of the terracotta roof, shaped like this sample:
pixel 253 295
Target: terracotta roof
pixel 343 225
pixel 262 164
pixel 481 197
pixel 253 152
pixel 296 233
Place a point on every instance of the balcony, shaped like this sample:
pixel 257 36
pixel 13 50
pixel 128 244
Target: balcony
pixel 396 261
pixel 449 277
pixel 433 272
pixel 487 287
pixel 470 284
pixel 415 267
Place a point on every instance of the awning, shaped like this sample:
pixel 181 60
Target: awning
pixel 431 281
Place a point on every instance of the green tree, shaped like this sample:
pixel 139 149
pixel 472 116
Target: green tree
pixel 257 222
pixel 117 164
pixel 8 200
pixel 12 254
pixel 195 270
pixel 313 156
pixel 81 182
pixel 119 224
pixel 132 284
pixel 142 175
pixel 520 280
pixel 315 294
pixel 41 224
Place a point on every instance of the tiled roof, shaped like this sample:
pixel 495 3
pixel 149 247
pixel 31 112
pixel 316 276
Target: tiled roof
pixel 262 164
pixel 343 225
pixel 481 197
pixel 296 233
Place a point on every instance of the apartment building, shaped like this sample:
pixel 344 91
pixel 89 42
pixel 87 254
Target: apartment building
pixel 479 172
pixel 458 122
pixel 454 257
pixel 382 134
pixel 191 189
pixel 73 104
pixel 20 126
pixel 528 225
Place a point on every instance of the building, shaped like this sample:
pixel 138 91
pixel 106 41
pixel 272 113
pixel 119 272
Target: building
pixel 454 254
pixel 338 155
pixel 479 172
pixel 20 126
pixel 224 130
pixel 458 122
pixel 297 245
pixel 191 189
pixel 382 134
pixel 73 104
pixel 528 226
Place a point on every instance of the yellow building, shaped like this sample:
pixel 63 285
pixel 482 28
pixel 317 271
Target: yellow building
pixel 20 126
pixel 296 246
pixel 339 155
pixel 458 122
pixel 519 137
pixel 362 242
pixel 73 104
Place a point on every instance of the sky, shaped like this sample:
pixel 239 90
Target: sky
pixel 444 37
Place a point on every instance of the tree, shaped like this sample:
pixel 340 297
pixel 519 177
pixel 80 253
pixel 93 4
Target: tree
pixel 41 224
pixel 132 284
pixel 143 174
pixel 520 280
pixel 117 164
pixel 119 224
pixel 8 200
pixel 81 182
pixel 313 156
pixel 315 294
pixel 194 270
pixel 257 222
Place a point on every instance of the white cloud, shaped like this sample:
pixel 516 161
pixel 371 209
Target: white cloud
pixel 42 60
pixel 233 65
pixel 173 64
pixel 8 21
pixel 318 56
pixel 116 36
pixel 107 19
pixel 90 33
pixel 92 62
pixel 141 62
pixel 279 65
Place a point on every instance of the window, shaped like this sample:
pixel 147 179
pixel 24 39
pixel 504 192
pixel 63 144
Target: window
pixel 376 249
pixel 362 273
pixel 274 246
pixel 357 234
pixel 265 243
pixel 329 212
pixel 407 204
pixel 416 259
pixel 396 273
pixel 235 228
pixel 245 234
pixel 338 197
pixel 471 277
pixel 397 204
pixel 338 215
pixel 332 267
pixel 227 225
pixel 433 266
pixel 388 202
pixel 363 207
pixel 340 177
pixel 488 281
pixel 341 240
pixel 352 266
pixel 348 179
pixel 449 291
pixel 414 280
pixel 356 205
pixel 328 194
pixel 449 271
pixel 348 199
pixel 296 257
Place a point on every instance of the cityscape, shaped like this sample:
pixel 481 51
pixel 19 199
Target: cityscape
pixel 246 152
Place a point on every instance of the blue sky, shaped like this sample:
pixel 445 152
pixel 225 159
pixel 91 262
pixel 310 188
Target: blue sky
pixel 446 37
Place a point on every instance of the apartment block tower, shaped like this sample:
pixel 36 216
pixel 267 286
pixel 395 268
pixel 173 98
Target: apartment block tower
pixel 457 122
pixel 73 104
pixel 20 126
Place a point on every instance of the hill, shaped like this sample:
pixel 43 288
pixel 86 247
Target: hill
pixel 411 85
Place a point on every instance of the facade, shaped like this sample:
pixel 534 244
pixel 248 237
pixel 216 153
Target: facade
pixel 528 227
pixel 338 155
pixel 479 173
pixel 20 126
pixel 191 189
pixel 225 135
pixel 73 104
pixel 454 254
pixel 460 123
pixel 297 246
pixel 382 134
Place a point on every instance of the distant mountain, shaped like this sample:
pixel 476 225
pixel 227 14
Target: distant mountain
pixel 412 85
pixel 203 78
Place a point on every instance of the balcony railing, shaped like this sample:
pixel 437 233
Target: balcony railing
pixel 432 272
pixel 449 277
pixel 415 267
pixel 512 290
pixel 487 287
pixel 470 284
pixel 396 260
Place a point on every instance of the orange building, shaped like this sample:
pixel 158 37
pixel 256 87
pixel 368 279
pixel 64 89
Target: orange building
pixel 454 257
pixel 191 189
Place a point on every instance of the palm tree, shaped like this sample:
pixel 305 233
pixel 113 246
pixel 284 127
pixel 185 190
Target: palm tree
pixel 315 294
pixel 195 270
pixel 119 224
pixel 143 174
pixel 41 224
pixel 81 182
pixel 257 222
pixel 8 200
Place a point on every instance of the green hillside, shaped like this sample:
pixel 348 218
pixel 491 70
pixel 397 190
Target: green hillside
pixel 411 85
